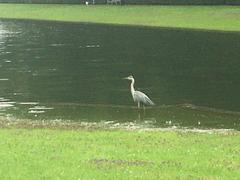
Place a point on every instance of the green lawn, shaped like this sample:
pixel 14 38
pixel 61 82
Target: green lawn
pixel 226 18
pixel 117 154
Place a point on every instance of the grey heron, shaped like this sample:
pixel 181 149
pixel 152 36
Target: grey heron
pixel 138 96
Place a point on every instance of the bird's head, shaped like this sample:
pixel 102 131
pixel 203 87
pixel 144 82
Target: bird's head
pixel 129 78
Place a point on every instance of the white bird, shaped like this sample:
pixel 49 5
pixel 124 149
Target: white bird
pixel 138 96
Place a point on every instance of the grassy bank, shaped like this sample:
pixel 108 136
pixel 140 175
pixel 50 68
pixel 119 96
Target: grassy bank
pixel 79 153
pixel 225 18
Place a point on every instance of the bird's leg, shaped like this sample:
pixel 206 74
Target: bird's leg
pixel 139 116
pixel 138 105
pixel 144 110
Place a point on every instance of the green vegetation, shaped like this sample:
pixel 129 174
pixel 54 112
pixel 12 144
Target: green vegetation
pixel 78 153
pixel 226 18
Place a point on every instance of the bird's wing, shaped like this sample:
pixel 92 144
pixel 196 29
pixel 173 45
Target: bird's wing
pixel 141 97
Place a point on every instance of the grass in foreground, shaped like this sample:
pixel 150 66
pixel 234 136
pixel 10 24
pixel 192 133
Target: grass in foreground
pixel 117 154
pixel 225 18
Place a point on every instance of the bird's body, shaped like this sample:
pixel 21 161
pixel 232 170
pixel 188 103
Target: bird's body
pixel 138 96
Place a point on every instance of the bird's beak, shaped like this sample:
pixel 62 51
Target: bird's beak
pixel 125 78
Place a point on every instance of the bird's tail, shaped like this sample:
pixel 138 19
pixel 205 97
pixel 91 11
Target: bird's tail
pixel 149 102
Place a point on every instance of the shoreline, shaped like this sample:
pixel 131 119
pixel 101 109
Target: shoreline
pixel 125 25
pixel 179 17
pixel 6 123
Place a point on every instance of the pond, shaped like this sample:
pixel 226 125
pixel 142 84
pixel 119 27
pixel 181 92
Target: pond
pixel 74 71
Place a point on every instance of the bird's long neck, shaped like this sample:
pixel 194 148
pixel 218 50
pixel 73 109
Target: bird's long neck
pixel 132 86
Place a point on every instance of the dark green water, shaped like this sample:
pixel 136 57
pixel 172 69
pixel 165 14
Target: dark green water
pixel 52 70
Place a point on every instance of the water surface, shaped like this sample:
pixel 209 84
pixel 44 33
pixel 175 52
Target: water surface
pixel 72 71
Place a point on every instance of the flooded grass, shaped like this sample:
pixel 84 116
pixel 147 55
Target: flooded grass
pixel 35 152
pixel 224 18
